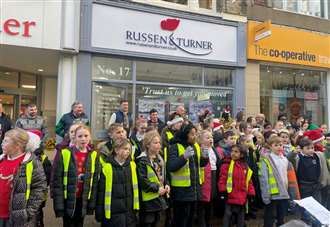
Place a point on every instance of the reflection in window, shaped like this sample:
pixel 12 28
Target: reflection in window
pixel 182 2
pixel 293 91
pixel 168 73
pixel 307 7
pixel 166 99
pixel 106 100
pixel 218 77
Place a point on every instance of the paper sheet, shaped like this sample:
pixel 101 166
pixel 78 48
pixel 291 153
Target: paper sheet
pixel 316 209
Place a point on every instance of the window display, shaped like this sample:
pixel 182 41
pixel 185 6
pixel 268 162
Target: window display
pixel 293 91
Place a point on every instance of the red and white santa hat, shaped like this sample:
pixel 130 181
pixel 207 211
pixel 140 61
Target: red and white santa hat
pixel 216 124
pixel 34 141
pixel 315 135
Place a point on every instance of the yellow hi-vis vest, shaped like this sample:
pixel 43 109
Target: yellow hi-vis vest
pixel 28 172
pixel 230 177
pixel 169 136
pixel 273 189
pixel 43 158
pixel 181 178
pixel 66 155
pixel 107 172
pixel 152 177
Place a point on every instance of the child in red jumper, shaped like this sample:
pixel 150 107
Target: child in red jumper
pixel 235 179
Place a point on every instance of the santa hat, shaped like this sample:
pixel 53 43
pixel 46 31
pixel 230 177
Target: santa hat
pixel 34 141
pixel 217 125
pixel 314 135
pixel 36 132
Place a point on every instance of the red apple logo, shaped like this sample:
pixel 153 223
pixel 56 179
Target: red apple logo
pixel 169 24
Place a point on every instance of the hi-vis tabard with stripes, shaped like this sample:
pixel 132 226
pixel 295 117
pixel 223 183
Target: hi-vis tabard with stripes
pixel 181 178
pixel 273 189
pixel 230 177
pixel 66 155
pixel 152 177
pixel 169 136
pixel 107 172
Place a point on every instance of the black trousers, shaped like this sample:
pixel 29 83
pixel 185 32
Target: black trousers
pixel 231 209
pixel 276 208
pixel 183 213
pixel 150 219
pixel 4 223
pixel 77 220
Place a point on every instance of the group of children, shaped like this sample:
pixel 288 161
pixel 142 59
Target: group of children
pixel 147 179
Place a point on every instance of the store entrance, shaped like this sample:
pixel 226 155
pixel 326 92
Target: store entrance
pixel 14 105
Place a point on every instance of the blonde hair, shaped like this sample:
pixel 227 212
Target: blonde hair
pixel 148 137
pixel 274 139
pixel 261 135
pixel 19 137
pixel 201 135
pixel 114 126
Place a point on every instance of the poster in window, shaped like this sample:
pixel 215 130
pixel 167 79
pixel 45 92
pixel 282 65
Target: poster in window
pixel 196 107
pixel 145 105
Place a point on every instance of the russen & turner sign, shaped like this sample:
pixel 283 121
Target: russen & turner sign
pixel 142 32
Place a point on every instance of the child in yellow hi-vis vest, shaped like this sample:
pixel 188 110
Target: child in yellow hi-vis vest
pixel 277 187
pixel 117 199
pixel 235 183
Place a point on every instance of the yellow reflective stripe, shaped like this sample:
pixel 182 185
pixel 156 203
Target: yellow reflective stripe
pixel 29 172
pixel 152 177
pixel 181 178
pixel 93 157
pixel 271 179
pixel 43 158
pixel 165 154
pixel 248 178
pixel 107 171
pixel 169 135
pixel 230 176
pixel 66 155
pixel 136 204
pixel 200 169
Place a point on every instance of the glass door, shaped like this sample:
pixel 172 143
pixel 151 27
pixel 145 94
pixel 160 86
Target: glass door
pixel 9 104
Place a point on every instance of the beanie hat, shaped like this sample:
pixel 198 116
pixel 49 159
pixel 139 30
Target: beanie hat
pixel 314 135
pixel 175 120
pixel 34 142
pixel 313 127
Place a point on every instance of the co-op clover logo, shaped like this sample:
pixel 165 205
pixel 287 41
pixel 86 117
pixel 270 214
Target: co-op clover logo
pixel 188 45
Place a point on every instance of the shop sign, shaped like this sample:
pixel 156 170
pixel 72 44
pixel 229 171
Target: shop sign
pixel 142 32
pixel 289 45
pixel 14 27
pixel 185 92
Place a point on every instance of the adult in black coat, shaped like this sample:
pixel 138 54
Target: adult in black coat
pixel 5 125
pixel 185 196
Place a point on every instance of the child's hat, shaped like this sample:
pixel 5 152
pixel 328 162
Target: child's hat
pixel 216 124
pixel 314 135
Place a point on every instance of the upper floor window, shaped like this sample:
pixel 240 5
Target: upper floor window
pixel 317 8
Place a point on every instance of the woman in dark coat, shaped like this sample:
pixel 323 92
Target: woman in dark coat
pixel 184 164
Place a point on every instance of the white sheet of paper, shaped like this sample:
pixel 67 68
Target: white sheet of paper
pixel 315 209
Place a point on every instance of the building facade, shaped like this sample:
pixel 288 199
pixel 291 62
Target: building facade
pixel 158 58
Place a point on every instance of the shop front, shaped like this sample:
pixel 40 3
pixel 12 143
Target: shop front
pixel 160 59
pixel 292 67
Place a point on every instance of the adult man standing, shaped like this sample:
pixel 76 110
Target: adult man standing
pixel 31 121
pixel 76 115
pixel 260 119
pixel 5 125
pixel 122 116
pixel 154 121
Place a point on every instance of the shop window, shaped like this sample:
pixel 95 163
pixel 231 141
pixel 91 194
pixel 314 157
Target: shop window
pixel 293 91
pixel 8 79
pixel 165 99
pixel 218 77
pixel 28 81
pixel 168 73
pixel 111 69
pixel 106 100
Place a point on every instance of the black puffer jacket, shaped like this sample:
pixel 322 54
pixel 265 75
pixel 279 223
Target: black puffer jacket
pixel 67 206
pixel 122 213
pixel 22 213
pixel 145 185
pixel 176 162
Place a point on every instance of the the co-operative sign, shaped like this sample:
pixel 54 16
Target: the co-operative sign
pixel 169 41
